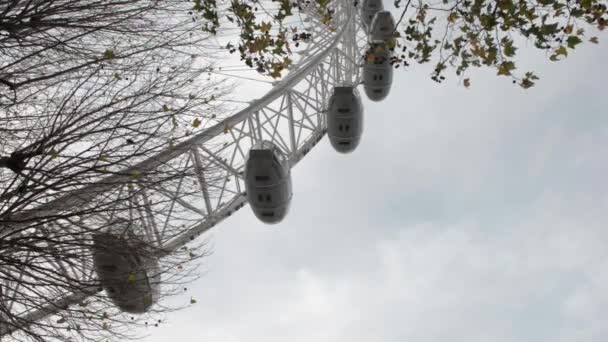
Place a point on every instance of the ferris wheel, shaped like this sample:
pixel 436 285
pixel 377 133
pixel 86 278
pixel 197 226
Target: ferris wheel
pixel 245 158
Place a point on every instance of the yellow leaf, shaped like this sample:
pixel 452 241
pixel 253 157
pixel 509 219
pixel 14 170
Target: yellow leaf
pixel 326 19
pixel 467 82
pixel 226 128
pixel 131 278
pixel 135 174
pixel 196 123
pixel 192 300
pixel 568 29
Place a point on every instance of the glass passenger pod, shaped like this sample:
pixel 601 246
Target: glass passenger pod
pixel 368 9
pixel 345 119
pixel 268 182
pixel 377 72
pixel 126 268
pixel 382 27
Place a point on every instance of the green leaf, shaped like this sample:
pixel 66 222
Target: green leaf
pixel 165 108
pixel 549 29
pixel 509 49
pixel 108 54
pixel 54 154
pixel 573 41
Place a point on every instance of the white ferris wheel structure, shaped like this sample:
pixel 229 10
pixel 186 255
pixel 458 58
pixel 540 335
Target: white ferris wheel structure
pixel 249 153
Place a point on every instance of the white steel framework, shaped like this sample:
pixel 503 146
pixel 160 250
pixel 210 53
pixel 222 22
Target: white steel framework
pixel 291 115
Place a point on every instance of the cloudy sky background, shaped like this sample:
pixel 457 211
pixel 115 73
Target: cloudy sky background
pixel 465 215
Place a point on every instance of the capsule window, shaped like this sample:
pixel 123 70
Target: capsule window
pixel 111 289
pixel 342 110
pixel 377 91
pixel 268 214
pixel 262 178
pixel 347 127
pixel 340 127
pixel 268 198
pixel 260 198
pixel 344 143
pixel 380 77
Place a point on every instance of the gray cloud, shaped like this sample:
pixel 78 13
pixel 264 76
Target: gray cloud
pixel 465 215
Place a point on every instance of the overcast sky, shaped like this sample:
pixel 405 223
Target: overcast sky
pixel 465 215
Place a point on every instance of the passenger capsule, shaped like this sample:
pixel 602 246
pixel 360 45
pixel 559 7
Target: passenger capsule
pixel 368 9
pixel 377 73
pixel 126 268
pixel 382 27
pixel 345 119
pixel 268 182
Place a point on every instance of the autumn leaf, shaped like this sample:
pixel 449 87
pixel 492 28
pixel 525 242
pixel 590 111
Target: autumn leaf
pixel 528 80
pixel 594 40
pixel 135 174
pixel 505 68
pixel 192 300
pixel 196 123
pixel 467 82
pixel 287 62
pixel 265 27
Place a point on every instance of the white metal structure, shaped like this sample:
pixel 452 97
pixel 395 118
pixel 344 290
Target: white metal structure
pixel 292 115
